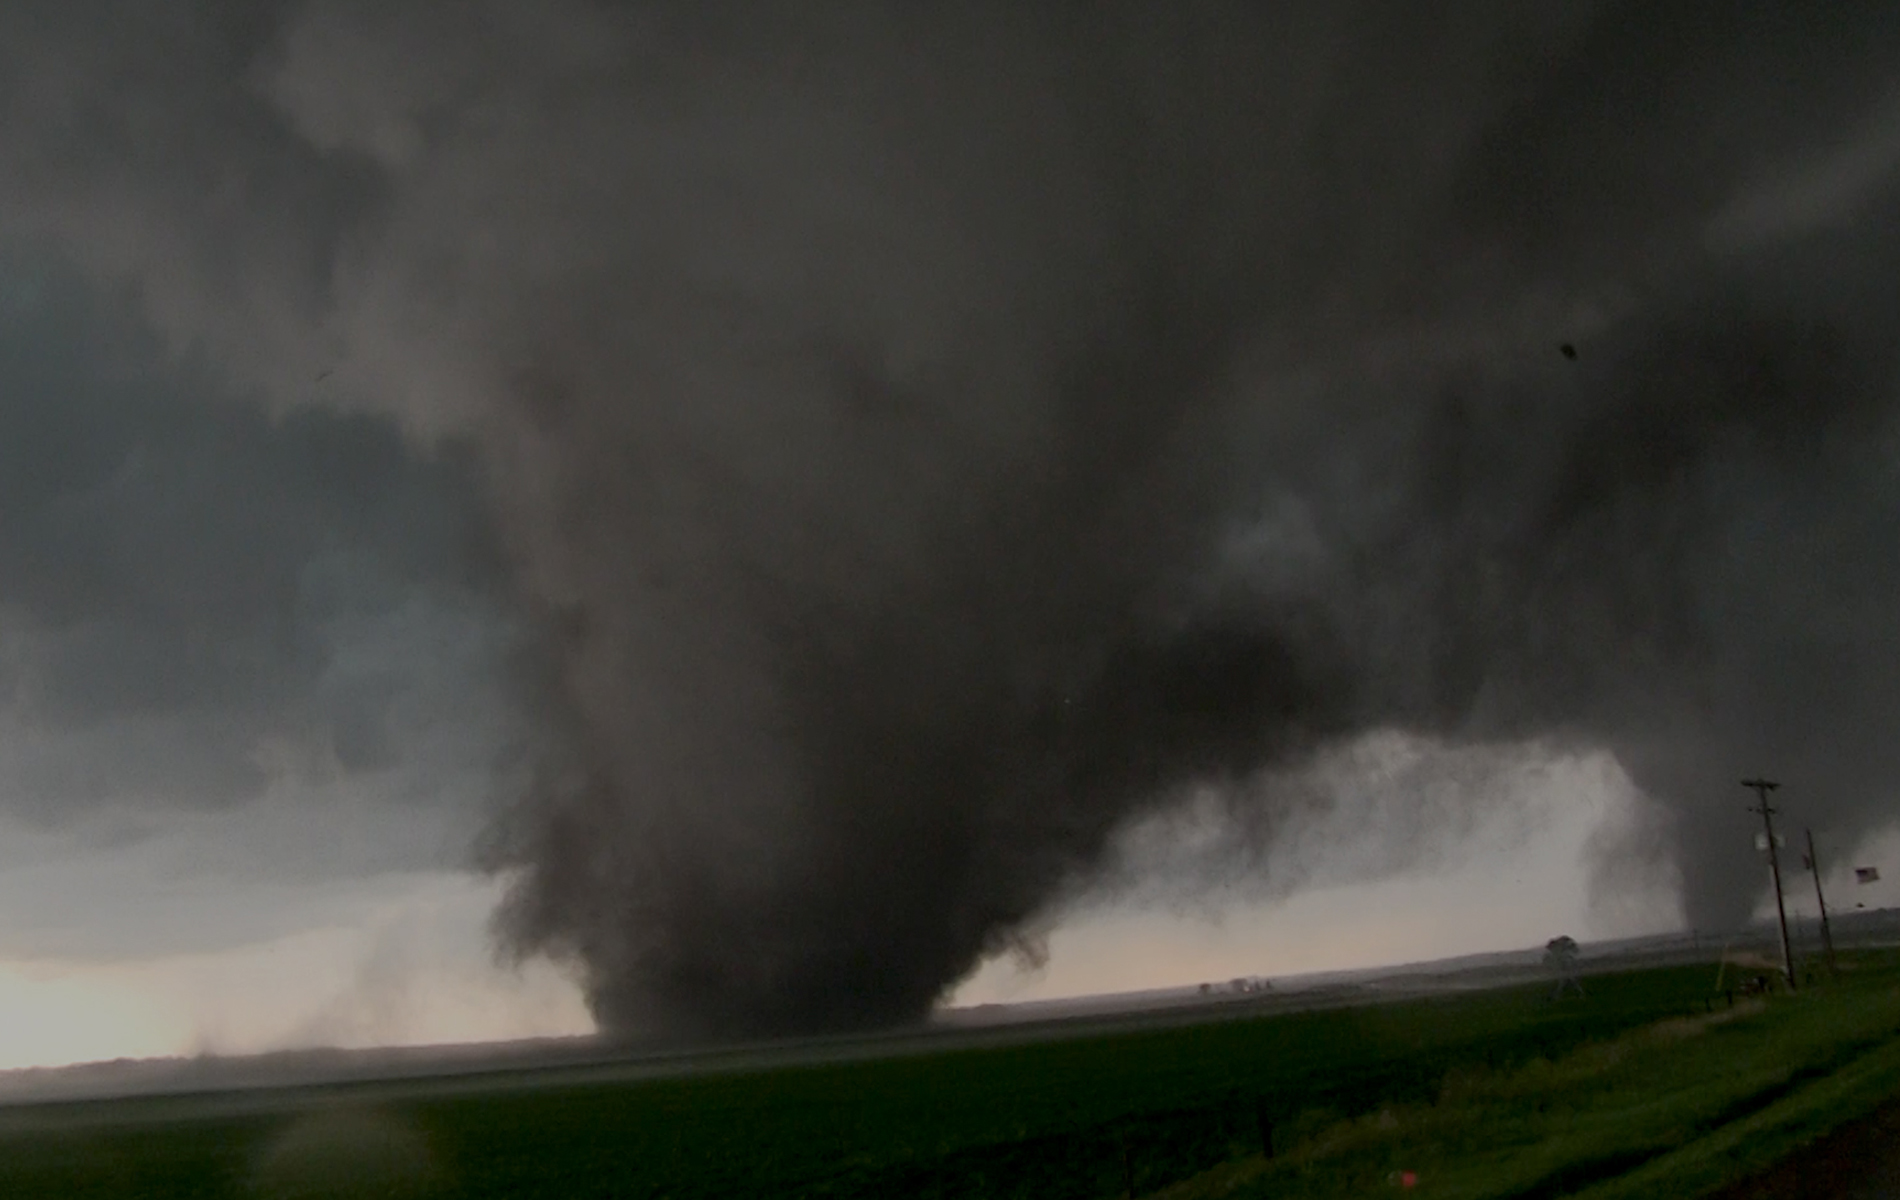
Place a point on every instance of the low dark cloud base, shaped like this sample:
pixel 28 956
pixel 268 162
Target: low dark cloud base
pixel 186 582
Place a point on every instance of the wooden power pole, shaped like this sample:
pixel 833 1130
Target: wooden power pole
pixel 1762 787
pixel 1827 935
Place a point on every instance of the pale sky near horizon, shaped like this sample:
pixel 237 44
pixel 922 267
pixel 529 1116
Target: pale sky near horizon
pixel 404 958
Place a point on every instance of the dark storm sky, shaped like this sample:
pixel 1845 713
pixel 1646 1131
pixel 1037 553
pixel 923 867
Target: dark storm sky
pixel 824 470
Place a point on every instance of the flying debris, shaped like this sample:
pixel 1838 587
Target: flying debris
pixel 1568 351
pixel 1866 874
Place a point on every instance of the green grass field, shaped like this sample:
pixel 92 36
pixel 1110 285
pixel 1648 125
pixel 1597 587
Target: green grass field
pixel 1499 1093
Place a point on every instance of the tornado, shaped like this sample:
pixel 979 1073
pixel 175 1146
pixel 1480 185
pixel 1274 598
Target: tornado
pixel 924 439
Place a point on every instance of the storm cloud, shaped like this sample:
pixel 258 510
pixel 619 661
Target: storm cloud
pixel 926 438
pixel 201 607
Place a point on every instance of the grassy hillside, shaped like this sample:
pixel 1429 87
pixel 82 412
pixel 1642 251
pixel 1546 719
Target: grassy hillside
pixel 1674 1108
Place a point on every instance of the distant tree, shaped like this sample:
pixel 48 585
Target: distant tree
pixel 1560 955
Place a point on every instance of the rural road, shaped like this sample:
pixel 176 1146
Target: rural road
pixel 1859 1161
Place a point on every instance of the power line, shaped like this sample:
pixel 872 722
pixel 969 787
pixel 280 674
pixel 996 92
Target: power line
pixel 1762 787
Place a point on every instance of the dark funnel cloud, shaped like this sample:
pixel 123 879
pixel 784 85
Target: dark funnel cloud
pixel 930 437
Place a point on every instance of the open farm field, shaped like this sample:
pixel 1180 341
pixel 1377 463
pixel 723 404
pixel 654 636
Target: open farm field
pixel 1651 1084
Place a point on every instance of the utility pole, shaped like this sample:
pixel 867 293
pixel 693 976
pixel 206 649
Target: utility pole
pixel 1827 935
pixel 1762 787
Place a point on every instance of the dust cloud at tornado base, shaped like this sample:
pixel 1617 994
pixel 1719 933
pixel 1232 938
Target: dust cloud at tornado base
pixel 927 439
